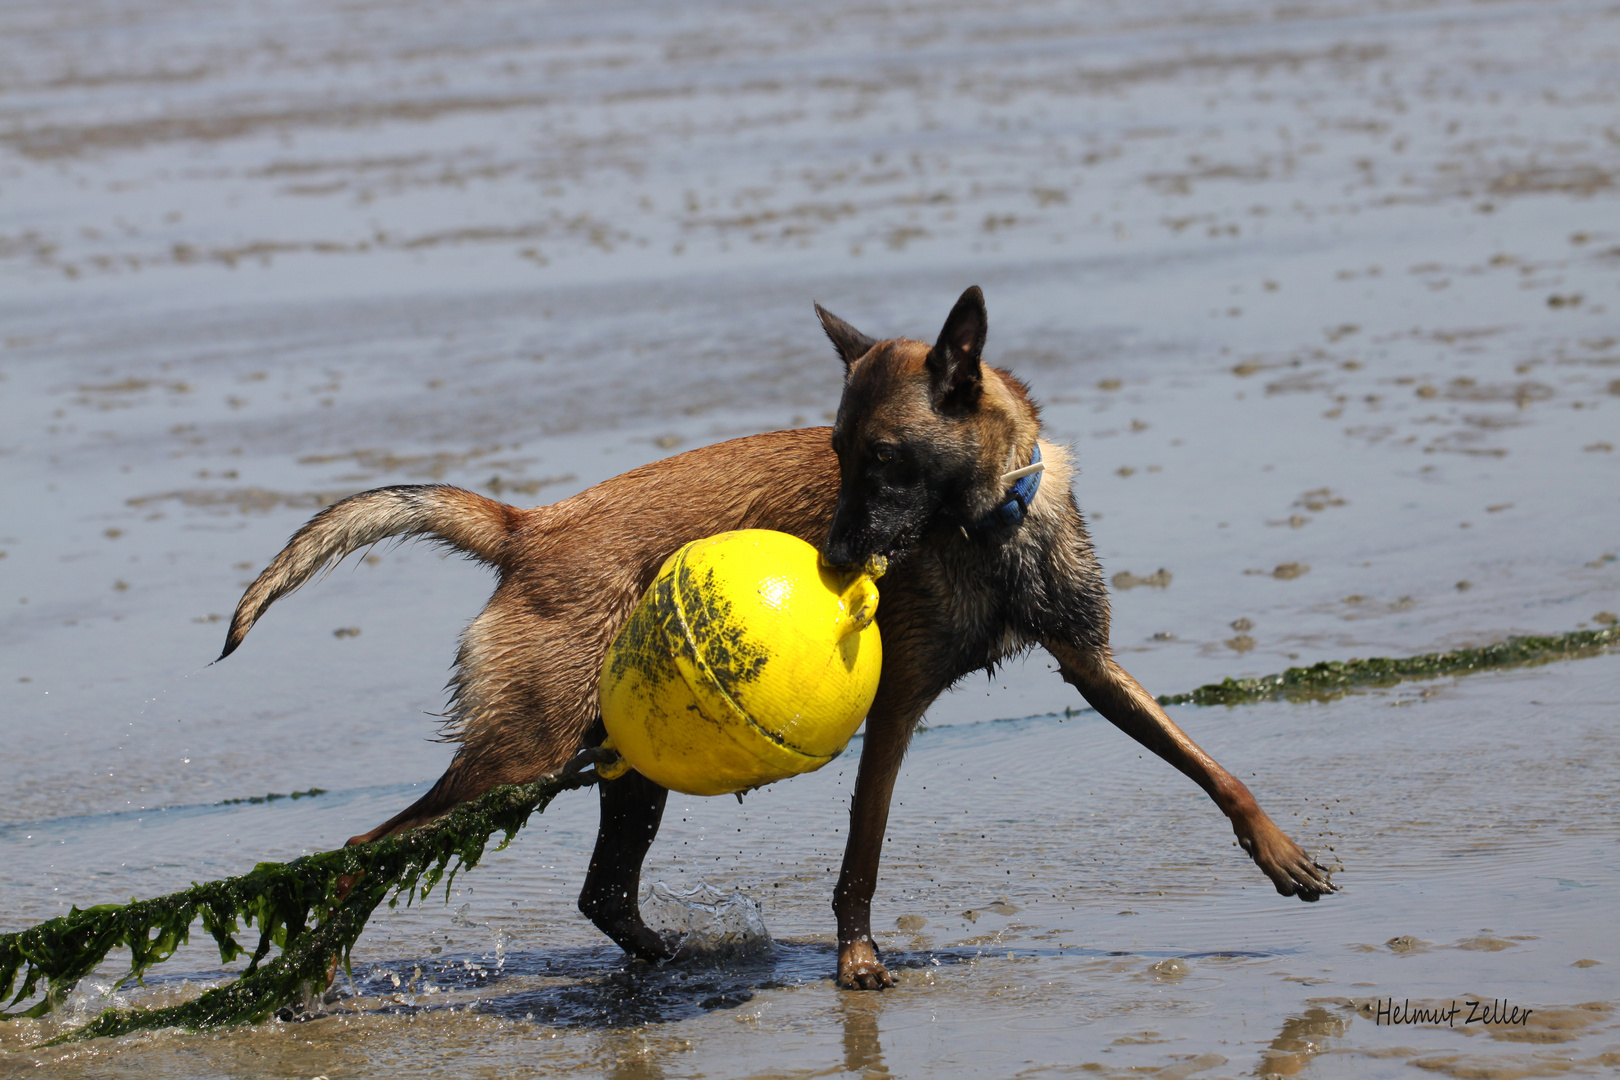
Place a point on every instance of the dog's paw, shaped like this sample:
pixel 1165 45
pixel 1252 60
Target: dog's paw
pixel 860 969
pixel 1290 869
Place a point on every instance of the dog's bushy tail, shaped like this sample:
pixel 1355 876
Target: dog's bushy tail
pixel 455 517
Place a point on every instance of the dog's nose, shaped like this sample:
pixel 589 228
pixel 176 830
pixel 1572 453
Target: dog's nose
pixel 840 551
pixel 846 547
pixel 841 548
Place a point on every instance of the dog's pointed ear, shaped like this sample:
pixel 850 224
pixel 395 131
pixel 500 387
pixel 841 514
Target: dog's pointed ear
pixel 954 374
pixel 850 342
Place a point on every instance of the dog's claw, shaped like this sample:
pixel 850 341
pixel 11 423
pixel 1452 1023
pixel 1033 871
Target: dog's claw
pixel 1293 872
pixel 860 969
pixel 1313 881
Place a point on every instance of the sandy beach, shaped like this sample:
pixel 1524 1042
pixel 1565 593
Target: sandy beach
pixel 1325 297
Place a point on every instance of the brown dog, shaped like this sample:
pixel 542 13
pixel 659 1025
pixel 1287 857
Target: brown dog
pixel 978 573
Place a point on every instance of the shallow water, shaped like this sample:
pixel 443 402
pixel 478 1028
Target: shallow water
pixel 1323 297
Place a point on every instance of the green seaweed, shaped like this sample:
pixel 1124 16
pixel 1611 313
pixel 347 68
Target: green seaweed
pixel 339 889
pixel 1334 678
pixel 259 800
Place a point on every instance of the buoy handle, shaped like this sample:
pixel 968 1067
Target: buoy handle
pixel 860 601
pixel 858 593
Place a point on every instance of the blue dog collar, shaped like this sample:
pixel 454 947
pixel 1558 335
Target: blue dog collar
pixel 1012 511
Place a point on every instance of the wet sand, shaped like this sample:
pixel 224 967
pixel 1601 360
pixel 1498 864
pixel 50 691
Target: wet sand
pixel 1324 298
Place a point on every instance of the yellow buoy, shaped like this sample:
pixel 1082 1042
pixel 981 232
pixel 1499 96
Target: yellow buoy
pixel 747 661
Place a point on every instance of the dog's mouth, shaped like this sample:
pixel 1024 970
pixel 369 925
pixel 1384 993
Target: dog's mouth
pixel 899 544
pixel 852 542
pixel 883 554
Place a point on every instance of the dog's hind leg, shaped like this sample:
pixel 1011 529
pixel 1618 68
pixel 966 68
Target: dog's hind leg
pixel 1111 691
pixel 472 773
pixel 461 782
pixel 522 701
pixel 632 808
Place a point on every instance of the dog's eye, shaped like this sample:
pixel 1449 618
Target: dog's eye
pixel 884 454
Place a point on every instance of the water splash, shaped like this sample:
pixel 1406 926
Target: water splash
pixel 704 921
pixel 462 919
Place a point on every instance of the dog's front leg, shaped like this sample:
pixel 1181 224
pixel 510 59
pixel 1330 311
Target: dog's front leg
pixel 1111 691
pixel 632 808
pixel 884 745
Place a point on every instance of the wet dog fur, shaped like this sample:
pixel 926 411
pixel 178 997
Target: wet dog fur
pixel 910 470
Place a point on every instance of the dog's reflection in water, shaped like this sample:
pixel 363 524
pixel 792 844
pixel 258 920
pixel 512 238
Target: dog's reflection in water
pixel 863 1050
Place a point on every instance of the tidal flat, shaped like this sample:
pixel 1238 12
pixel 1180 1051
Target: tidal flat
pixel 1325 297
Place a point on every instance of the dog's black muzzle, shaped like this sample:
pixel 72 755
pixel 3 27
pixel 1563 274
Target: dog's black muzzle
pixel 857 547
pixel 851 539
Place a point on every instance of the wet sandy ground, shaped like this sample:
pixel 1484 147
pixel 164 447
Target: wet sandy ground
pixel 1324 296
